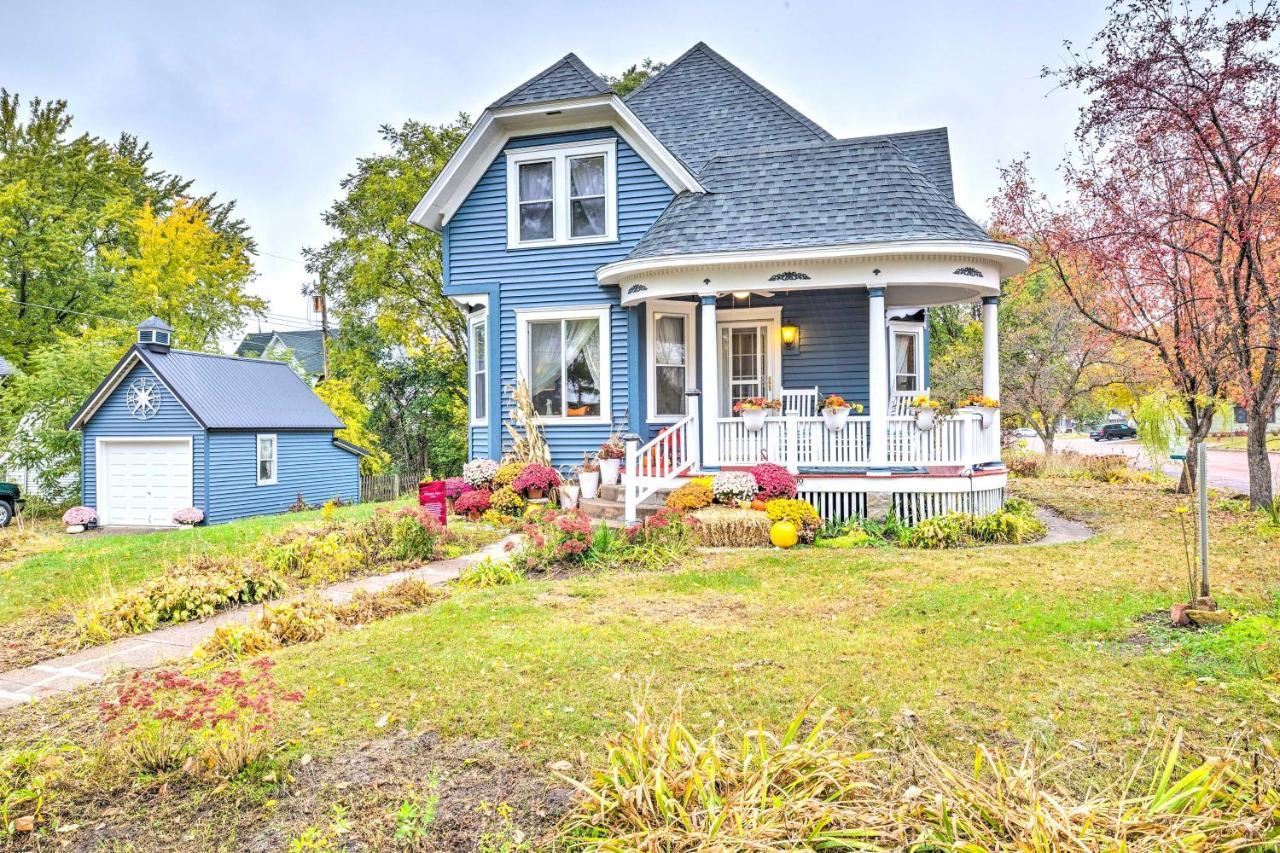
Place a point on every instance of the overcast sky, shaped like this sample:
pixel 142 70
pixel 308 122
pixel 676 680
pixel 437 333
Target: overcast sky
pixel 271 103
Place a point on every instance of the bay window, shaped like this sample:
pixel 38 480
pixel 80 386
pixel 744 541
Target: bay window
pixel 564 358
pixel 561 194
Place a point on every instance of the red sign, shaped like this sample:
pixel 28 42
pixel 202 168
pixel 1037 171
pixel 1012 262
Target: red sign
pixel 431 496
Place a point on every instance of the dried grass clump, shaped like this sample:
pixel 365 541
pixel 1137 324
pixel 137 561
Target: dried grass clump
pixel 403 597
pixel 664 788
pixel 729 527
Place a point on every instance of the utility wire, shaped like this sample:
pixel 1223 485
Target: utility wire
pixel 65 310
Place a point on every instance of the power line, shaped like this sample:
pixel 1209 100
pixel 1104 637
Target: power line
pixel 66 310
pixel 281 257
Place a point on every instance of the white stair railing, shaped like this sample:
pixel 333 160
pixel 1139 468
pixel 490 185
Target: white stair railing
pixel 658 464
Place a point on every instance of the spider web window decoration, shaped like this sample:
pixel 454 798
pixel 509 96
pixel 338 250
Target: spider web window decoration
pixel 143 399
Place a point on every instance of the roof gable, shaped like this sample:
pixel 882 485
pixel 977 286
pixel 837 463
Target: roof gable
pixel 567 78
pixel 224 392
pixel 702 104
pixel 253 343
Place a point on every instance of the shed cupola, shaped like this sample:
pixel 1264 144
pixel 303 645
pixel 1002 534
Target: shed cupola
pixel 155 334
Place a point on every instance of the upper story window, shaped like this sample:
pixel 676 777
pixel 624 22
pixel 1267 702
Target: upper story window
pixel 562 195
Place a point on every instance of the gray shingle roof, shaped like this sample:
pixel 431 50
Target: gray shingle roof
pixel 702 104
pixel 829 193
pixel 567 78
pixel 253 343
pixel 931 151
pixel 307 347
pixel 225 392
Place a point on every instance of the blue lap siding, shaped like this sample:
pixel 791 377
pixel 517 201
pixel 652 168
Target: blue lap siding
pixel 477 261
pixel 113 420
pixel 309 465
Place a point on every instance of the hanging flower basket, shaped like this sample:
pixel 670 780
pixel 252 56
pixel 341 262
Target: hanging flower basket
pixel 925 410
pixel 753 419
pixel 754 410
pixel 984 406
pixel 835 412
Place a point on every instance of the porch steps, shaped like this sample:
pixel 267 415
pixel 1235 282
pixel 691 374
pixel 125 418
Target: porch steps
pixel 609 504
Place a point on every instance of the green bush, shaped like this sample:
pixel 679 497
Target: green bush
pixel 488 573
pixel 942 531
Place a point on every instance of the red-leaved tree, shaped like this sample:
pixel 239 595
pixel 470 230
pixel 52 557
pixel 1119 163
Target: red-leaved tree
pixel 1170 235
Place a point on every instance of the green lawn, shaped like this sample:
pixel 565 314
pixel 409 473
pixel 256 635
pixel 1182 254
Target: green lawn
pixel 67 570
pixel 1239 442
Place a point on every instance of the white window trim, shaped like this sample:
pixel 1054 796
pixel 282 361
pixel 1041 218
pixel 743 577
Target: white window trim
pixel 275 458
pixel 559 155
pixel 689 311
pixel 597 312
pixel 769 316
pixel 917 330
pixel 481 318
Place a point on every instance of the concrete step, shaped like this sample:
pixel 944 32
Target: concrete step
pixel 615 493
pixel 615 510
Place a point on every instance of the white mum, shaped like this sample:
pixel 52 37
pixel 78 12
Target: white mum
pixel 479 472
pixel 734 486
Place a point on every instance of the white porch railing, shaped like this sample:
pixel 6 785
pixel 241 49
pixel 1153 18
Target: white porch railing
pixel 656 465
pixel 798 442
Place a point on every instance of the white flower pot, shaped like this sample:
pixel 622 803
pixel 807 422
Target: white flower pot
pixel 753 419
pixel 987 414
pixel 568 497
pixel 924 418
pixel 590 483
pixel 609 471
pixel 836 419
pixel 76 528
pixel 182 526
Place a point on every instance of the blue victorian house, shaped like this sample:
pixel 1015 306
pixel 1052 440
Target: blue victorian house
pixel 644 263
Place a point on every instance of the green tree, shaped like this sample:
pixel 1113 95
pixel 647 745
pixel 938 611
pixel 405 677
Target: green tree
pixel 634 77
pixel 340 396
pixel 400 341
pixel 69 209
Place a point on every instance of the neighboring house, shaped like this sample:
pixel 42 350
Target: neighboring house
pixel 305 348
pixel 1237 421
pixel 235 437
pixel 646 262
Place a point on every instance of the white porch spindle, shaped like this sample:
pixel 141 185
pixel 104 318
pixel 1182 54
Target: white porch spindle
pixel 878 381
pixel 710 411
pixel 991 369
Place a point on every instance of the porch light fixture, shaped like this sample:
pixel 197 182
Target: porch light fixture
pixel 790 334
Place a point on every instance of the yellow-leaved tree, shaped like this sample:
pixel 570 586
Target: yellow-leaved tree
pixel 340 396
pixel 186 272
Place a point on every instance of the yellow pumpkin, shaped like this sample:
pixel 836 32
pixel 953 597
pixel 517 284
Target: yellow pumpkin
pixel 783 534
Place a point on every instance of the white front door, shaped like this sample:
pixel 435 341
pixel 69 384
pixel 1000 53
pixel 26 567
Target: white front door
pixel 142 482
pixel 750 361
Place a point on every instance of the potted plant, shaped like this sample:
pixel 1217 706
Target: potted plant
pixel 611 454
pixel 188 517
pixel 569 490
pixel 589 477
pixel 78 519
pixel 835 412
pixel 754 410
pixel 925 409
pixel 474 503
pixel 535 480
pixel 984 406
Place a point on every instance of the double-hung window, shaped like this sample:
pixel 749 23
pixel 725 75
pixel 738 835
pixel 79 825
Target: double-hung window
pixel 907 365
pixel 564 358
pixel 479 369
pixel 267 452
pixel 670 358
pixel 562 194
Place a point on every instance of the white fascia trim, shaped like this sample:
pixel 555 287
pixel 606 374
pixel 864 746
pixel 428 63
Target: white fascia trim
pixel 1012 259
pixel 469 301
pixel 689 310
pixel 601 312
pixel 494 127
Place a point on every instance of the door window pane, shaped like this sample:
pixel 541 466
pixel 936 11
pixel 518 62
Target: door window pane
pixel 586 196
pixel 744 347
pixel 545 368
pixel 537 211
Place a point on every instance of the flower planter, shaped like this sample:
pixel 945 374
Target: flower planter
pixel 753 419
pixel 925 417
pixel 76 528
pixel 534 494
pixel 610 469
pixel 474 515
pixel 986 413
pixel 590 483
pixel 186 526
pixel 569 497
pixel 836 419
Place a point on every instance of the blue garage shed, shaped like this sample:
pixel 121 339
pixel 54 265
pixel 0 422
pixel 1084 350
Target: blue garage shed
pixel 235 437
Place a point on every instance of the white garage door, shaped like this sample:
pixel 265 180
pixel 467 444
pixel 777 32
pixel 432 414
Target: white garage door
pixel 143 482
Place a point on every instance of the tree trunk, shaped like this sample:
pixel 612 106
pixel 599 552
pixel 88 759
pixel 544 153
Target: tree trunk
pixel 1047 438
pixel 1260 491
pixel 1198 423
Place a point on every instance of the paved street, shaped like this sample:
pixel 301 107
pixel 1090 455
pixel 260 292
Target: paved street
pixel 1228 469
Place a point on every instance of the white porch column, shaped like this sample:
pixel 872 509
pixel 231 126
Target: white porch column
pixel 878 382
pixel 991 370
pixel 710 410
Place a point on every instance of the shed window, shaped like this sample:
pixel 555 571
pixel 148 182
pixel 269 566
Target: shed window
pixel 266 460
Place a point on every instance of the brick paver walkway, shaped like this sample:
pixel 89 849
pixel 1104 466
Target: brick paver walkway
pixel 67 673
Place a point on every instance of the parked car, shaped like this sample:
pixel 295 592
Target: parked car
pixel 10 502
pixel 1024 432
pixel 1113 431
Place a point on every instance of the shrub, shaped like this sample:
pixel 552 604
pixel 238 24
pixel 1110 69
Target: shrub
pixel 479 473
pixel 855 538
pixel 454 486
pixel 411 533
pixel 79 515
pixel 188 515
pixel 733 486
pixel 298 621
pixel 942 531
pixel 506 474
pixel 236 642
pixel 1019 506
pixel 535 476
pixel 474 501
pixel 320 555
pixel 1028 465
pixel 798 512
pixel 774 481
pixel 730 527
pixel 488 573
pixel 659 541
pixel 690 496
pixel 1007 526
pixel 506 502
